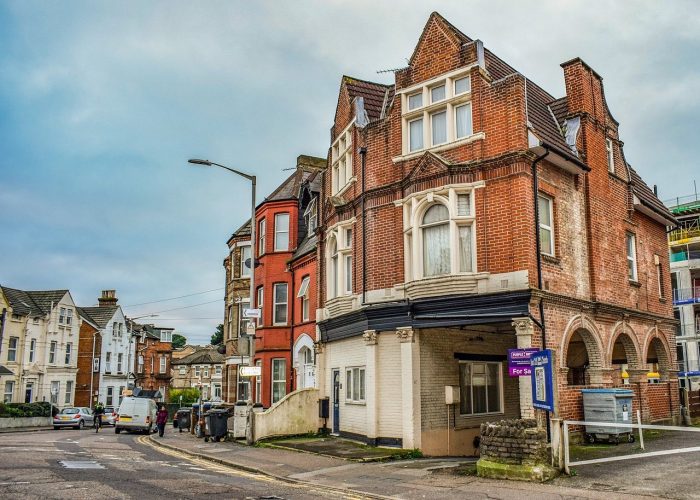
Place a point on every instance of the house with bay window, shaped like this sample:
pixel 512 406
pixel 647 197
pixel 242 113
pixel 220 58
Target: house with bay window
pixel 38 343
pixel 466 211
pixel 106 353
pixel 285 287
pixel 153 357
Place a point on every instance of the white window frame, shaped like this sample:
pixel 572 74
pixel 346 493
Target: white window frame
pixel 280 229
pixel 12 351
pixel 273 380
pixel 303 294
pixel 69 353
pixel 69 316
pixel 183 370
pixel 429 108
pixel 109 398
pixel 275 304
pixel 260 303
pixel 9 391
pixel 53 347
pixel 261 236
pixel 311 217
pixel 545 227
pixel 163 364
pixel 217 370
pixel 355 384
pixel 54 394
pixel 631 258
pixel 499 372
pixel 205 371
pixel 245 270
pixel 414 209
pixel 108 362
pixel 61 315
pixel 217 390
pixel 69 392
pixel 610 154
pixel 258 382
pixel 32 350
pixel 341 161
pixel 337 284
pixel 197 371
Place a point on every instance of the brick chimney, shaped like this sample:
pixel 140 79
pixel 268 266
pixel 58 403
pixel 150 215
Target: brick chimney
pixel 109 298
pixel 584 89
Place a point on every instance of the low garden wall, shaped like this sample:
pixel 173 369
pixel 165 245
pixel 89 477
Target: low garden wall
pixel 17 422
pixel 296 413
pixel 514 449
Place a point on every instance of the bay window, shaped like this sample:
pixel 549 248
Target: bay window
pixel 12 349
pixel 280 304
pixel 481 388
pixel 339 259
pixel 69 349
pixel 52 352
pixel 279 380
pixel 445 106
pixel 439 234
pixel 9 391
pixel 341 158
pixel 281 232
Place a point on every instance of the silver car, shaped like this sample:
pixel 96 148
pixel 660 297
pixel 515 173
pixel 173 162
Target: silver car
pixel 110 416
pixel 76 417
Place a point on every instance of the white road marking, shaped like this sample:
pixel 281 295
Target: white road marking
pixel 16 482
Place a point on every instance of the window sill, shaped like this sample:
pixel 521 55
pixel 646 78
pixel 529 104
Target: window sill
pixel 442 147
pixel 662 300
pixel 635 283
pixel 551 259
pixel 355 403
pixel 345 187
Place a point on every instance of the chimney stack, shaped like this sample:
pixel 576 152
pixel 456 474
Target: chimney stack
pixel 584 89
pixel 109 298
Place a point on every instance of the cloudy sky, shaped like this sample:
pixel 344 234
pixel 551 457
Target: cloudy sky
pixel 101 104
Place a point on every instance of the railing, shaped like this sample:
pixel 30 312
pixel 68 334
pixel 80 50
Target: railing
pixel 686 296
pixel 687 230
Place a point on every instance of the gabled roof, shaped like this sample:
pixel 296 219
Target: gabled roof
pixel 33 303
pixel 205 355
pixel 289 189
pixel 375 95
pixel 647 197
pixel 454 33
pixel 99 315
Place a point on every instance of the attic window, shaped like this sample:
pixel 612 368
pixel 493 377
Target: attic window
pixel 446 118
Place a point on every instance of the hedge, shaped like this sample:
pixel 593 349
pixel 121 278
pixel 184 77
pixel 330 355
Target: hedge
pixel 10 410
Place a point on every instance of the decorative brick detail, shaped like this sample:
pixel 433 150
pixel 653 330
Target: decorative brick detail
pixel 517 441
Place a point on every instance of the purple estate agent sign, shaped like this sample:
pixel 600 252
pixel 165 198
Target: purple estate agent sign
pixel 519 362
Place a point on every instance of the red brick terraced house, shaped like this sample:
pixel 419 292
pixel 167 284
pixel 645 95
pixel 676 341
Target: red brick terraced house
pixel 153 358
pixel 440 190
pixel 285 270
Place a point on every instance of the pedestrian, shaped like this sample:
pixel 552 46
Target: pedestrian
pixel 161 419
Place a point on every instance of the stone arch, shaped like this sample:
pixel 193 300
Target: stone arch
pixel 303 360
pixel 656 348
pixel 627 337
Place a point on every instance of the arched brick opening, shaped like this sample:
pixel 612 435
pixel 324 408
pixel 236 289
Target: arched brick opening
pixel 582 355
pixel 657 358
pixel 623 355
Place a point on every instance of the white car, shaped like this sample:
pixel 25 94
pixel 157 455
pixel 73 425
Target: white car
pixel 136 414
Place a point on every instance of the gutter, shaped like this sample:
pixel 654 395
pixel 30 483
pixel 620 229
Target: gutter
pixel 363 154
pixel 2 326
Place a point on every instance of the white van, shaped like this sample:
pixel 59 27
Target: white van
pixel 136 414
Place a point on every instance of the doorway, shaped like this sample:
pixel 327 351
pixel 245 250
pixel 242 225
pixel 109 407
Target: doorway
pixel 336 401
pixel 29 393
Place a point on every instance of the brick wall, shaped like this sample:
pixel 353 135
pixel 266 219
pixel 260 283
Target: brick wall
pixel 85 373
pixel 517 441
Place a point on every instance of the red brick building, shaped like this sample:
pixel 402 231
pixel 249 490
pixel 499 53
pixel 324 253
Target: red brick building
pixel 153 358
pixel 467 211
pixel 87 380
pixel 285 270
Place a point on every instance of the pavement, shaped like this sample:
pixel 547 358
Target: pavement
pixel 413 478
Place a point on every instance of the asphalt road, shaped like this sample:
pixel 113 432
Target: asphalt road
pixel 75 464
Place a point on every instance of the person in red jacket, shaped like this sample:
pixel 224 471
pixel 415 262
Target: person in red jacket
pixel 161 419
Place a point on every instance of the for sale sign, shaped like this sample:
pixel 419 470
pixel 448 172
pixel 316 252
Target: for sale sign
pixel 519 362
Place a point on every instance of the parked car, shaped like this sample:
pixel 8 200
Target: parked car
pixel 76 417
pixel 110 416
pixel 136 414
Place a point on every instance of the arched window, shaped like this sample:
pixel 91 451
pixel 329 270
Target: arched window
pixel 436 240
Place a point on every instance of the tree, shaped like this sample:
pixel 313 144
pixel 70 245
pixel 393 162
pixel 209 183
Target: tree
pixel 218 337
pixel 178 341
pixel 189 395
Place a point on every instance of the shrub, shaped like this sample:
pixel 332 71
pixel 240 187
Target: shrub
pixel 9 410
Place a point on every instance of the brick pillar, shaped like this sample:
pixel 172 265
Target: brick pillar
pixel 410 387
pixel 370 338
pixel 524 330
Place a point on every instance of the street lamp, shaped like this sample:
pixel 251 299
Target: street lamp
pixel 252 179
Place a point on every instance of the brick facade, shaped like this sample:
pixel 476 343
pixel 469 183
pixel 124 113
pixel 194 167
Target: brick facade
pixel 600 322
pixel 86 378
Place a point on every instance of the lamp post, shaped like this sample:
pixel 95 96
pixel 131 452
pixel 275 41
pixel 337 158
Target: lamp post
pixel 252 180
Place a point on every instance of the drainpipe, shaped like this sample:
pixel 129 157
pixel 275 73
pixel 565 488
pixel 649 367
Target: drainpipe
pixel 363 155
pixel 2 326
pixel 92 366
pixel 291 335
pixel 535 190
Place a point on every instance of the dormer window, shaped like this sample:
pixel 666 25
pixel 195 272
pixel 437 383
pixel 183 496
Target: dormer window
pixel 341 157
pixel 166 336
pixel 311 217
pixel 437 113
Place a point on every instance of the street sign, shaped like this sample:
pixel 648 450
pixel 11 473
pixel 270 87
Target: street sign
pixel 542 380
pixel 250 329
pixel 519 362
pixel 250 371
pixel 251 313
